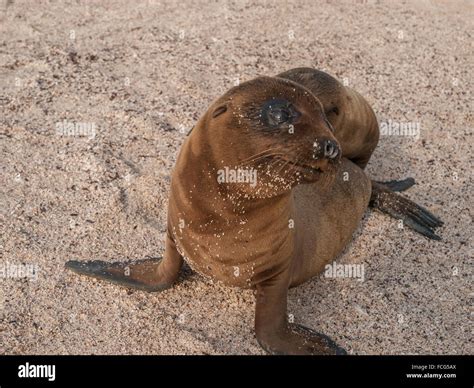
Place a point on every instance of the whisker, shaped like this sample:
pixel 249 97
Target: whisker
pixel 274 162
pixel 258 155
pixel 283 166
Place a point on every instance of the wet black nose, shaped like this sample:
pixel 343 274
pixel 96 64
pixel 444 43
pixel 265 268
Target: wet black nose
pixel 331 150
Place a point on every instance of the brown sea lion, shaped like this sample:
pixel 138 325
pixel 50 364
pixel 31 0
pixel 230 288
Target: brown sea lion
pixel 261 198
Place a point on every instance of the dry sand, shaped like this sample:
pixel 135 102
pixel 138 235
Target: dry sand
pixel 142 73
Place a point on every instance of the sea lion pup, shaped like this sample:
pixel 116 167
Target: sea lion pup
pixel 357 131
pixel 269 233
pixel 261 198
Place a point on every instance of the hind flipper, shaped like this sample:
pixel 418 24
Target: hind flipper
pixel 401 185
pixel 153 274
pixel 414 216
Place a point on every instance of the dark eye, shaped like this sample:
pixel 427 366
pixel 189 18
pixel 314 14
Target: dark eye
pixel 278 112
pixel 279 115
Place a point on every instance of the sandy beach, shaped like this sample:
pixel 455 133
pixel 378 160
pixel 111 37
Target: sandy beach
pixel 132 78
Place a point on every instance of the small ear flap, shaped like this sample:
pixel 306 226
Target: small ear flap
pixel 219 110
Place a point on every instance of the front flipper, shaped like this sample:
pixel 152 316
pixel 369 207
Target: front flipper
pixel 414 216
pixel 141 275
pixel 153 274
pixel 275 334
pixel 396 185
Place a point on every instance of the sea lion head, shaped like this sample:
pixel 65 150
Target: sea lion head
pixel 275 127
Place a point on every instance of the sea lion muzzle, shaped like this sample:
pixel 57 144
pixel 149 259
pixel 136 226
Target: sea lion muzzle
pixel 331 149
pixel 326 148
